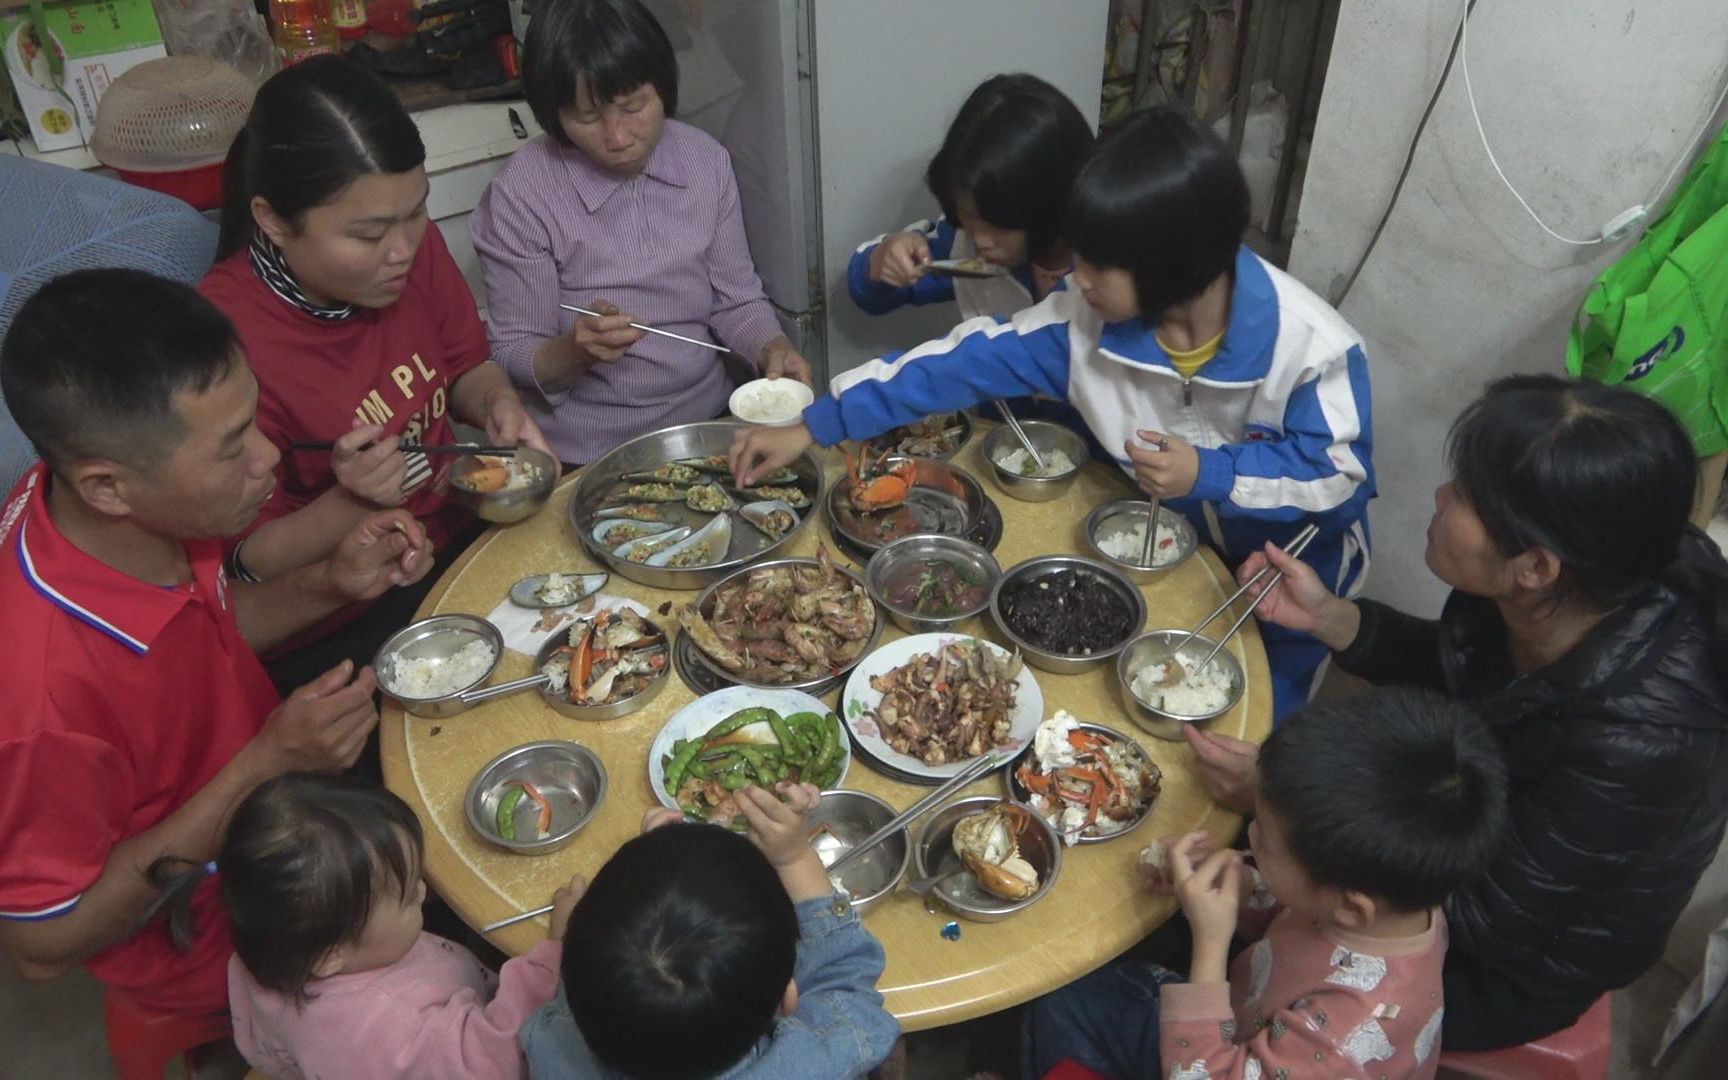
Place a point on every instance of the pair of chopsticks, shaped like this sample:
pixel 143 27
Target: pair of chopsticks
pixel 965 776
pixel 648 329
pixel 421 448
pixel 923 806
pixel 1294 549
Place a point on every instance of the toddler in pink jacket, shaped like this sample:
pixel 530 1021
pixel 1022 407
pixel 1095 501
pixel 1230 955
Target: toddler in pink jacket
pixel 332 974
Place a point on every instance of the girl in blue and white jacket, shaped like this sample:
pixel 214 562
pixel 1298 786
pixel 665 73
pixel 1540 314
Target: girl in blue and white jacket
pixel 1170 334
pixel 1001 177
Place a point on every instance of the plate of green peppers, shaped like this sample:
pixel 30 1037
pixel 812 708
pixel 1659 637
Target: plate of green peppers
pixel 741 736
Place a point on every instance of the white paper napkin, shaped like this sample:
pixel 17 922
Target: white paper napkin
pixel 526 629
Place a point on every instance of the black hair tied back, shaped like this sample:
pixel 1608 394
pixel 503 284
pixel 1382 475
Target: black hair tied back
pixel 1550 463
pixel 314 129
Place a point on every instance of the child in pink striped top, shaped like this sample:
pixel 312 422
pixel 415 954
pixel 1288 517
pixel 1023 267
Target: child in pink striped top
pixel 1369 812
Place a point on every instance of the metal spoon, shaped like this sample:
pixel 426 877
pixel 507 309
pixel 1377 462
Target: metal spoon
pixel 924 886
pixel 1020 433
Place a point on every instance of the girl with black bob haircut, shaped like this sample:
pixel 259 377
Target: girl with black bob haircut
pixel 362 333
pixel 1588 623
pixel 1188 200
pixel 613 47
pixel 332 974
pixel 1224 386
pixel 1001 177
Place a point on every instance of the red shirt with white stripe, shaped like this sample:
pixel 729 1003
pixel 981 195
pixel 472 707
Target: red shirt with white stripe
pixel 123 700
pixel 392 366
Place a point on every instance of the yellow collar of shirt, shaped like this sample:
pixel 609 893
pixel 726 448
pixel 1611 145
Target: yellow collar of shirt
pixel 1191 361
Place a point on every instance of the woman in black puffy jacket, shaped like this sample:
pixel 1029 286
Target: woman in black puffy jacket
pixel 1588 624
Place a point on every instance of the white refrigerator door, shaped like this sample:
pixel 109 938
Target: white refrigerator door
pixel 890 75
pixel 740 81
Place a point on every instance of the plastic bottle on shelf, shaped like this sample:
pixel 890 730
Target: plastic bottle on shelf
pixel 303 29
pixel 349 17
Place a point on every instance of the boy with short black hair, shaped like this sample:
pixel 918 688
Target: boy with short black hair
pixel 696 953
pixel 1369 812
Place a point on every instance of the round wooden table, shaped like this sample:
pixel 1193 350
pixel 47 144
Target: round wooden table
pixel 1096 910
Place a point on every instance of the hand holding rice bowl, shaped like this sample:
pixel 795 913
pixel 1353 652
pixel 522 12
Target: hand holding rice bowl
pixel 774 402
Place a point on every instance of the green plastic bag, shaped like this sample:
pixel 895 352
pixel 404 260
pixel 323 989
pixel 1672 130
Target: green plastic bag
pixel 1657 320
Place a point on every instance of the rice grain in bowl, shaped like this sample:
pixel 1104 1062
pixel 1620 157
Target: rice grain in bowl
pixel 439 676
pixel 775 402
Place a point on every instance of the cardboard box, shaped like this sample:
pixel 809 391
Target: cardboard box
pixel 98 41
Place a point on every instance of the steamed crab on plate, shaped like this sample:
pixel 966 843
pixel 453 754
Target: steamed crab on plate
pixel 1085 783
pixel 785 624
pixel 950 705
pixel 609 658
pixel 988 845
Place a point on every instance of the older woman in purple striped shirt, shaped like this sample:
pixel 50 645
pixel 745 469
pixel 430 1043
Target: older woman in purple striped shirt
pixel 618 209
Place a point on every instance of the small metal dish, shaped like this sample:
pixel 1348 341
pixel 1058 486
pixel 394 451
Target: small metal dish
pixel 526 593
pixel 934 854
pixel 505 507
pixel 436 638
pixel 1121 516
pixel 943 498
pixel 906 554
pixel 817 687
pixel 571 777
pixel 844 818
pixel 1017 791
pixel 1039 566
pixel 1153 646
pixel 1046 436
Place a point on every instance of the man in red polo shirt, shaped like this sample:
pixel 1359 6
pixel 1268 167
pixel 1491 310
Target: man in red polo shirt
pixel 136 712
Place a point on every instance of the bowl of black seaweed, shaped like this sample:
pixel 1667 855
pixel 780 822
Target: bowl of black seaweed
pixel 1067 614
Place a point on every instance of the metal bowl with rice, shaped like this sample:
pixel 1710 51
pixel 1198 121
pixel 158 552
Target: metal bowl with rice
pixel 432 666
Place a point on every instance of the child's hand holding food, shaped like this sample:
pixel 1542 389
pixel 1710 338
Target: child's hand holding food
pixel 779 829
pixel 899 260
pixel 563 903
pixel 1210 892
pixel 1153 866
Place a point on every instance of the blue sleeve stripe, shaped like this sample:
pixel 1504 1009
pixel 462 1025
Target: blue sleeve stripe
pixel 53 911
pixel 982 358
pixel 1321 462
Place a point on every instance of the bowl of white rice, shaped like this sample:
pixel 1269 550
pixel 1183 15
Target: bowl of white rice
pixel 1116 533
pixel 1062 451
pixel 1202 694
pixel 429 666
pixel 771 402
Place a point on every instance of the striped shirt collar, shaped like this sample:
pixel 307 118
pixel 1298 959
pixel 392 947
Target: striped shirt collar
pixel 595 185
pixel 132 612
pixel 272 269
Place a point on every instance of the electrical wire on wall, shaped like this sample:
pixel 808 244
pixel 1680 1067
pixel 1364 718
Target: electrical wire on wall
pixel 1617 227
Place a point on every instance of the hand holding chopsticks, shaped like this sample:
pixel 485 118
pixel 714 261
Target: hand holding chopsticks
pixel 645 328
